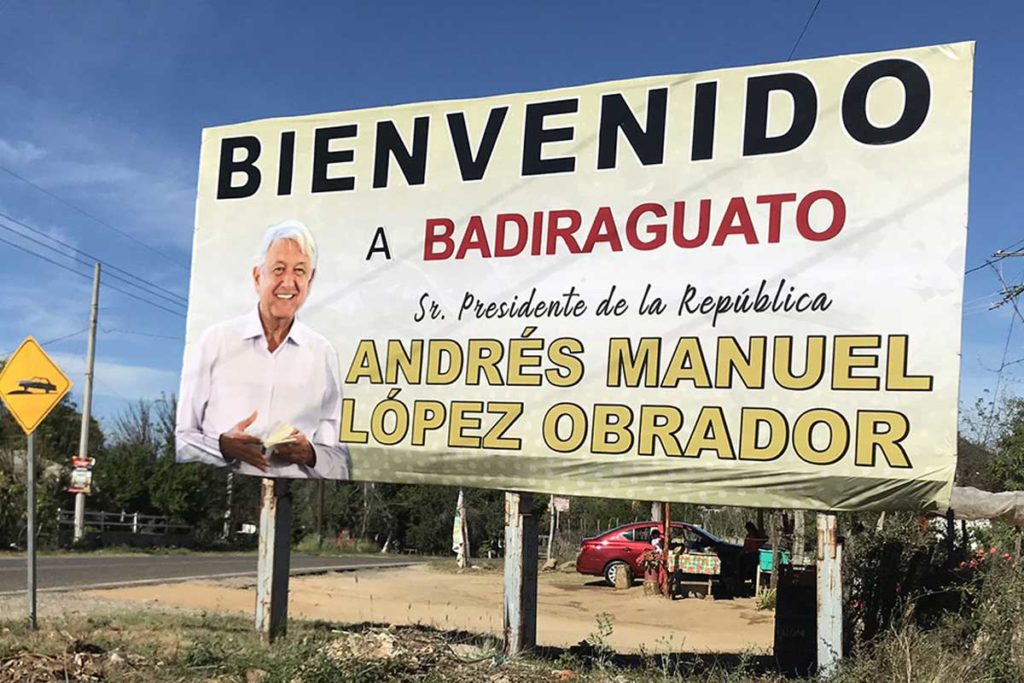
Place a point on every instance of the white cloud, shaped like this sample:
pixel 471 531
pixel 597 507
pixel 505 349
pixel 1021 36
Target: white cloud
pixel 19 152
pixel 119 380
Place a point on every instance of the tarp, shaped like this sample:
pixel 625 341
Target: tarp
pixel 970 503
pixel 736 287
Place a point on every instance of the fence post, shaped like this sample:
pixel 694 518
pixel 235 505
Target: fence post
pixel 830 595
pixel 273 559
pixel 135 523
pixel 520 614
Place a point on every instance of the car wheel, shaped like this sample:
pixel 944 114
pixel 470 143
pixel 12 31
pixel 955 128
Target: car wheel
pixel 612 570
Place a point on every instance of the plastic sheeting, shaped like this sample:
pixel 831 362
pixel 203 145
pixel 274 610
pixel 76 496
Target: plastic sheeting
pixel 970 503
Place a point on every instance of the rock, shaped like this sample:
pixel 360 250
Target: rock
pixel 569 566
pixel 256 676
pixel 564 675
pixel 550 566
pixel 117 659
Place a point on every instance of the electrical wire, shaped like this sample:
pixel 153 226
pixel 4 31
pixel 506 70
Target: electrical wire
pixel 89 277
pixel 803 30
pixel 109 265
pixel 91 217
pixel 89 263
pixel 51 341
pixel 139 334
pixel 1001 254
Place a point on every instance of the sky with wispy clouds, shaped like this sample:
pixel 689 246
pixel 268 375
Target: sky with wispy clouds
pixel 102 105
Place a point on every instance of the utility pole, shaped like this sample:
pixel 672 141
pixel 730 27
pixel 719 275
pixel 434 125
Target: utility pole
pixel 83 441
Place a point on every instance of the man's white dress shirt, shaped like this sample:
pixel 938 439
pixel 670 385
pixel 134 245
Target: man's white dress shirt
pixel 230 373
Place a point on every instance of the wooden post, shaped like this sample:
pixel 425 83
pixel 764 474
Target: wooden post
pixel 950 536
pixel 666 536
pixel 273 559
pixel 551 526
pixel 520 614
pixel 798 537
pixel 830 595
pixel 775 539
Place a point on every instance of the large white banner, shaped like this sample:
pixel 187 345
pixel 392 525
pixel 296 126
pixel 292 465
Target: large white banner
pixel 733 287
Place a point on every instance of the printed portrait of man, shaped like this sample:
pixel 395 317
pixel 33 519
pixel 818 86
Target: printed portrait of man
pixel 261 392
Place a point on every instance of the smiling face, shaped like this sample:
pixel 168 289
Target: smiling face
pixel 283 280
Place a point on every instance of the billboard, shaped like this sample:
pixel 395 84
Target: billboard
pixel 737 287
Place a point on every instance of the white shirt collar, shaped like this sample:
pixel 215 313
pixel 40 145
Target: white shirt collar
pixel 252 327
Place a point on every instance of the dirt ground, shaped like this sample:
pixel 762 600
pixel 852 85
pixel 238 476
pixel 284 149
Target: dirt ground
pixel 569 607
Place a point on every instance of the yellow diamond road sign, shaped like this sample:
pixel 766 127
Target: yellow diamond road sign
pixel 31 385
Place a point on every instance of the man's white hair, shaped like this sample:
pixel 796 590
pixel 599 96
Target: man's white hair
pixel 288 230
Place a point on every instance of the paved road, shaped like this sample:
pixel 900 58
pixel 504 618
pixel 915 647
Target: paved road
pixel 80 571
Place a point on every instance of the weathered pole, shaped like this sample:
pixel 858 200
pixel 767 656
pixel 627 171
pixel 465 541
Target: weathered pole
pixel 665 538
pixel 551 526
pixel 830 595
pixel 30 531
pixel 273 559
pixel 319 513
pixel 83 439
pixel 520 613
pixel 798 537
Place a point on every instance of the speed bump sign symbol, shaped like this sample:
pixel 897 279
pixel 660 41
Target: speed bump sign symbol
pixel 31 385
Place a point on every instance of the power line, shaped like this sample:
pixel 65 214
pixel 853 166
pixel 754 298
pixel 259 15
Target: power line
pixel 89 277
pixel 803 30
pixel 1009 293
pixel 139 334
pixel 51 341
pixel 996 257
pixel 109 266
pixel 999 379
pixel 91 217
pixel 89 263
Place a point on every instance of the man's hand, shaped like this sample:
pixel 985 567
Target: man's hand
pixel 237 444
pixel 299 451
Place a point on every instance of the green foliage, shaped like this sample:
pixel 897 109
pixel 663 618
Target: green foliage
pixel 1007 466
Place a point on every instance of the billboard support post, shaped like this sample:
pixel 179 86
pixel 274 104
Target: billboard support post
pixel 30 531
pixel 273 559
pixel 830 595
pixel 520 613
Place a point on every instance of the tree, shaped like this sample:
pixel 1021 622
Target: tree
pixel 1007 464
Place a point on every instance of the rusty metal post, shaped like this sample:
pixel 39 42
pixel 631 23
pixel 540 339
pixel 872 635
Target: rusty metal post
pixel 273 559
pixel 830 595
pixel 30 528
pixel 520 614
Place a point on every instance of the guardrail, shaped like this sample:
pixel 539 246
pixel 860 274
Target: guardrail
pixel 131 522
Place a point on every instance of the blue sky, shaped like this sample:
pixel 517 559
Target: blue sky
pixel 102 105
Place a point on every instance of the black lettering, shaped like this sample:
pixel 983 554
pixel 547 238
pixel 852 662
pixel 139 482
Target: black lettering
pixel 389 143
pixel 535 135
pixel 648 145
pixel 755 127
pixel 473 167
pixel 286 164
pixel 917 98
pixel 229 166
pixel 323 157
pixel 705 101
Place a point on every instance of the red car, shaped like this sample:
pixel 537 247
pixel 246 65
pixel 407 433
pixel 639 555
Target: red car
pixel 622 548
